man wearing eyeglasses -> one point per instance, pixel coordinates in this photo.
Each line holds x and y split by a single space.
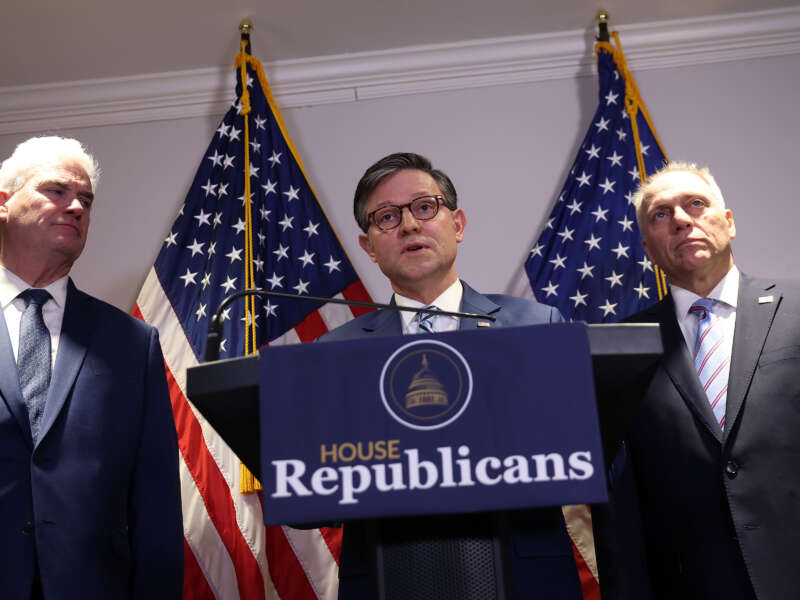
412 226
408 212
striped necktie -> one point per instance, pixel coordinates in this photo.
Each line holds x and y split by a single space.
33 356
710 361
425 320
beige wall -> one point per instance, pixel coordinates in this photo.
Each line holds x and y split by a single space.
506 147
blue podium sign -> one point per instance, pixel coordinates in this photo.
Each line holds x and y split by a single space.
426 424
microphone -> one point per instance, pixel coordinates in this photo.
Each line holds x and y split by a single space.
214 326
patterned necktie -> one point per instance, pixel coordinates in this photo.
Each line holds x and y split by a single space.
710 360
33 356
425 320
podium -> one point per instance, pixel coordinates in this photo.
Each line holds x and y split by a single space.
623 359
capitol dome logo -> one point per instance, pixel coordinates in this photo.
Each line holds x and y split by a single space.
426 384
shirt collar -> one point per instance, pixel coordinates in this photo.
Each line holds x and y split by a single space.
449 300
726 291
11 285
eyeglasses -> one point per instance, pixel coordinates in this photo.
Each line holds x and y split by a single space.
423 208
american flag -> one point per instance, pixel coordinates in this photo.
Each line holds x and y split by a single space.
588 261
229 553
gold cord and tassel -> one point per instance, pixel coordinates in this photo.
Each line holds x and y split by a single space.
634 106
247 482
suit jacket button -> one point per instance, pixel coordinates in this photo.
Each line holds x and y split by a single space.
731 469
27 529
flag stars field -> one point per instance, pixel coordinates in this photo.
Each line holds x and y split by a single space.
616 159
600 213
619 279
621 251
269 187
307 258
281 251
196 247
286 222
332 265
550 289
608 308
614 279
593 243
565 234
607 186
188 277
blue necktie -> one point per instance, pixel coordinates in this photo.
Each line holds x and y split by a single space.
33 357
710 358
425 320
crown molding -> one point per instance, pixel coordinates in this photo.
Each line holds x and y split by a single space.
409 70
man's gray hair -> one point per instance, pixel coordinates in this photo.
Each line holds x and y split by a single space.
645 190
42 151
390 165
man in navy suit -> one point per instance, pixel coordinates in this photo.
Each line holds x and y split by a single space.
89 488
715 446
411 223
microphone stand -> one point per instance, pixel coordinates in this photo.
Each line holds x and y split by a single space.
214 333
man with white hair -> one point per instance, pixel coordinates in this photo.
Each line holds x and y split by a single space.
715 447
89 488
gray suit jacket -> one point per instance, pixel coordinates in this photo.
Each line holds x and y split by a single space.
721 510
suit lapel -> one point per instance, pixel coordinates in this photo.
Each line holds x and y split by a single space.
383 322
753 321
388 322
9 383
76 330
472 301
679 366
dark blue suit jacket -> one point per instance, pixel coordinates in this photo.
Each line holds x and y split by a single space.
721 509
542 563
97 499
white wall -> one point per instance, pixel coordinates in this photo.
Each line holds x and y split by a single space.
507 148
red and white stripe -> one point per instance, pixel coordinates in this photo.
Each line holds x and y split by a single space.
229 552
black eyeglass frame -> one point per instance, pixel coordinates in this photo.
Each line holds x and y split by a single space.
439 200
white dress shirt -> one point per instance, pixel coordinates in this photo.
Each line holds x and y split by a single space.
52 310
725 293
450 300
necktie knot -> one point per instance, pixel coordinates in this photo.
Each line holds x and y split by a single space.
702 308
425 319
34 296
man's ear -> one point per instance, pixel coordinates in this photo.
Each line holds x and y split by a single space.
460 222
366 245
731 223
3 208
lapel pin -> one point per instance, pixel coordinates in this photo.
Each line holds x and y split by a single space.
484 324
765 299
